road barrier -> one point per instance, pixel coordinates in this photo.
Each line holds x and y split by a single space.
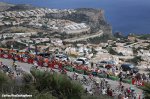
58 65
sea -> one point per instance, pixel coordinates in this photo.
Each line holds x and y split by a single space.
126 16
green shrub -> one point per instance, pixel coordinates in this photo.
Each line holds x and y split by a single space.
60 85
79 71
68 68
87 72
129 81
102 75
101 66
146 90
113 78
3 79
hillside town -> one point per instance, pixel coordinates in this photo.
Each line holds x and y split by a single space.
62 45
34 18
103 56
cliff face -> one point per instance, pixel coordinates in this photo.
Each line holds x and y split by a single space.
17 7
21 7
93 17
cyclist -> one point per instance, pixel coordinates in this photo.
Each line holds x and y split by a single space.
90 76
14 60
60 70
122 88
64 71
35 64
86 91
52 71
84 78
18 70
120 84
1 63
73 75
15 65
76 76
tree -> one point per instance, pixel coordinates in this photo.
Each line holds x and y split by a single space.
45 85
135 50
93 51
44 95
27 78
146 90
144 36
112 51
58 85
3 79
99 39
135 60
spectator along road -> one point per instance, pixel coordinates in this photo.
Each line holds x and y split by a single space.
26 67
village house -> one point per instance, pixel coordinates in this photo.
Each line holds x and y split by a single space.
131 38
5 35
57 42
124 50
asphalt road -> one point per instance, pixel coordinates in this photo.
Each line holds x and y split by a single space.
26 67
85 37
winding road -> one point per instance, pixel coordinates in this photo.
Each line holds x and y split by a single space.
26 67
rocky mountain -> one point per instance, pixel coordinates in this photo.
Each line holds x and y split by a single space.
5 6
20 7
93 17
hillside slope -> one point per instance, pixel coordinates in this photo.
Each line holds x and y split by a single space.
93 17
20 7
5 6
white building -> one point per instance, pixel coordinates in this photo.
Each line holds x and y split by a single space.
57 42
124 51
76 28
5 35
144 53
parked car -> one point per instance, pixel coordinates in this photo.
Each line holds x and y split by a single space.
106 64
102 63
129 67
61 57
113 62
44 54
81 61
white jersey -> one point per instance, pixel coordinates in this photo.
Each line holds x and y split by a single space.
103 91
35 63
